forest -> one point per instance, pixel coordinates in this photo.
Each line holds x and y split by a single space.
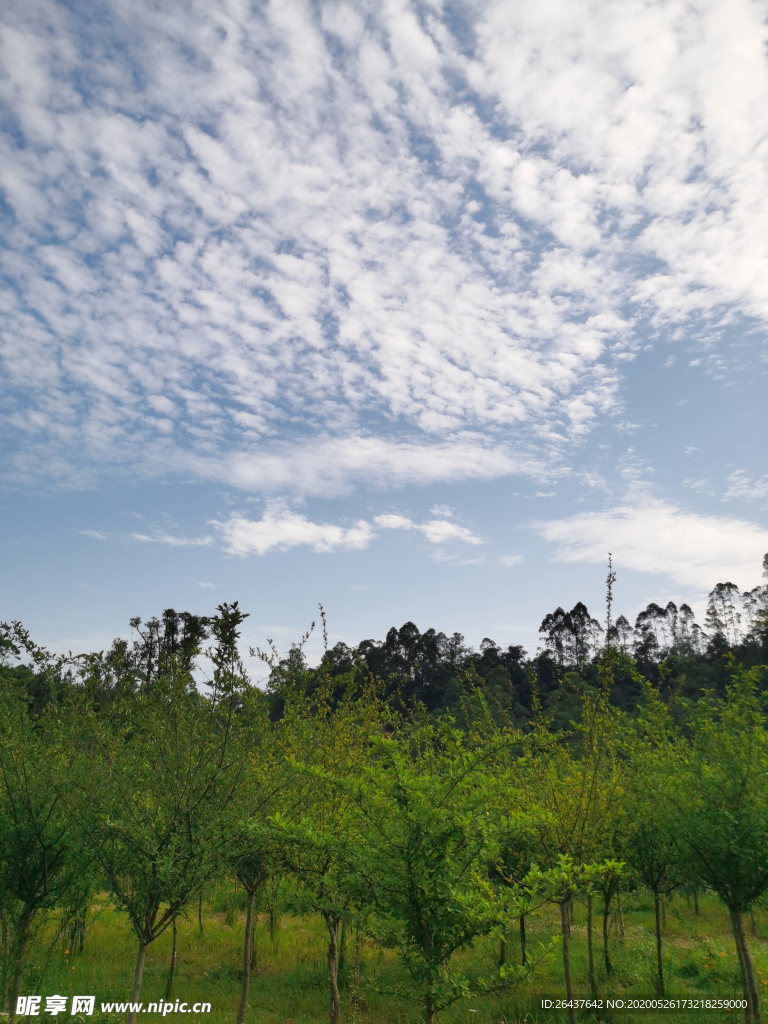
410 831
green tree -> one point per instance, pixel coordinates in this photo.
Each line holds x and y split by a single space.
40 861
427 809
719 781
164 760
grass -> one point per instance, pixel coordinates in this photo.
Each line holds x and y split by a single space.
289 984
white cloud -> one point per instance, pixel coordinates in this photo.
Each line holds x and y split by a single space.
160 537
345 217
511 560
741 485
281 529
327 466
96 534
657 537
436 531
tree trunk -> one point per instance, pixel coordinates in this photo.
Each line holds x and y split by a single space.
749 987
200 912
343 951
25 924
138 975
358 951
503 948
621 913
606 930
429 1010
174 952
696 902
247 957
566 929
591 950
523 954
6 954
753 922
333 921
659 961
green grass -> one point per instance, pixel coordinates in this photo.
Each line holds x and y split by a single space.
289 983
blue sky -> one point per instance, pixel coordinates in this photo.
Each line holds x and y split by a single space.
415 309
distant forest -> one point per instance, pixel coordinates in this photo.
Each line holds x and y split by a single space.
682 659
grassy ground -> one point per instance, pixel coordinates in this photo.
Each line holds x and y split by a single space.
289 985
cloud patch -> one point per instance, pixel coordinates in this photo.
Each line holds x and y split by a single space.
246 226
658 537
280 529
436 531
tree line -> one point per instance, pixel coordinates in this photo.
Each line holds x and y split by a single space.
422 820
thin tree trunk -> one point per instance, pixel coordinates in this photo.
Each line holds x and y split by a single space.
523 954
696 902
174 953
621 914
606 930
138 975
503 948
659 960
247 956
333 921
566 929
748 984
343 950
200 912
25 925
591 950
753 922
6 951
429 1010
358 951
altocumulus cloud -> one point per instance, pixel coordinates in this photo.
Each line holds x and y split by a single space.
256 242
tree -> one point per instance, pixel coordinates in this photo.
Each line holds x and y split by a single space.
426 807
166 774
324 743
248 839
40 863
570 637
719 788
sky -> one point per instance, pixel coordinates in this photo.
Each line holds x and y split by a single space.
415 309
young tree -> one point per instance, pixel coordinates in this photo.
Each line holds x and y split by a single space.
426 807
324 741
40 861
649 825
166 774
719 785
